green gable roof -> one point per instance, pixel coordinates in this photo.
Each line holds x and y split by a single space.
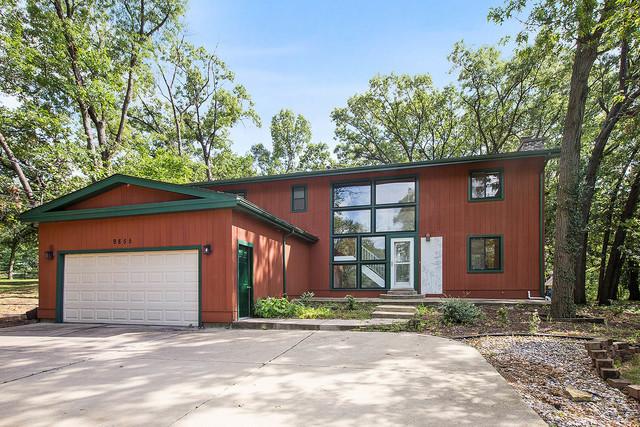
203 200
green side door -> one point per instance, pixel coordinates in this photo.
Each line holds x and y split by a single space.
245 261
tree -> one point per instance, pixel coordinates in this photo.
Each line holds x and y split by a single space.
619 99
505 101
590 28
292 147
83 57
400 118
215 105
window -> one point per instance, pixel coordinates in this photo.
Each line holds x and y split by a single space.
298 198
396 219
364 214
351 195
344 249
395 192
485 185
353 221
485 254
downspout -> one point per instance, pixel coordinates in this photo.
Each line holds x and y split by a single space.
540 237
284 261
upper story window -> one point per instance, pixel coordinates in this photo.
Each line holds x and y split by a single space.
379 207
486 185
298 198
484 254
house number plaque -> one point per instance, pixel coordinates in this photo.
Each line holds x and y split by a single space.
122 241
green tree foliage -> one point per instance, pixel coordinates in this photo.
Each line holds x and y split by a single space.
399 118
292 147
84 58
494 104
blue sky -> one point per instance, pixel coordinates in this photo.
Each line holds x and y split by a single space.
311 56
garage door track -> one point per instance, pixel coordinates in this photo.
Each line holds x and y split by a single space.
116 375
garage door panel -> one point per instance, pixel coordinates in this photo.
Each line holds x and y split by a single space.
139 287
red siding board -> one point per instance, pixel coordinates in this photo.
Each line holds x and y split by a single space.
443 211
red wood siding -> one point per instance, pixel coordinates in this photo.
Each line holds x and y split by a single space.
267 257
127 194
148 231
443 211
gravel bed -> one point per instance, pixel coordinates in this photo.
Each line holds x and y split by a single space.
540 368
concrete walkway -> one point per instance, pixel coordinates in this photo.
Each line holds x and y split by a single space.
55 374
435 301
311 324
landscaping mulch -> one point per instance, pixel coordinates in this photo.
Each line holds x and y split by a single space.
539 369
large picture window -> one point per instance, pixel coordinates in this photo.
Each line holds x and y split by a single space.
364 216
485 185
485 254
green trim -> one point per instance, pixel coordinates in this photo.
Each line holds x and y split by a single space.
541 226
293 190
548 153
128 210
206 199
501 258
247 206
244 243
63 253
500 196
116 180
249 247
373 233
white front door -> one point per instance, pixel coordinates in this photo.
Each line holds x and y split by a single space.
402 263
150 287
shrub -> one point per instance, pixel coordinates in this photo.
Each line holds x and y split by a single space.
460 312
534 322
351 302
276 307
503 315
315 313
305 298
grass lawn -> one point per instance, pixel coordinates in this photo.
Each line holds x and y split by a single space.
18 296
631 370
340 310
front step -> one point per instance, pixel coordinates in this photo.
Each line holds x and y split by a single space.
396 308
391 315
394 312
401 292
400 297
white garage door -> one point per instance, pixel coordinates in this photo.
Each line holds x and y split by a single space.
151 288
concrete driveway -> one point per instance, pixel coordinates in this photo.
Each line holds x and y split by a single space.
111 375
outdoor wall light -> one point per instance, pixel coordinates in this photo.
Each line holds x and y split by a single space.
427 237
206 249
48 254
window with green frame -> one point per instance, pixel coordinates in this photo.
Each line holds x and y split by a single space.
363 214
484 254
298 198
486 185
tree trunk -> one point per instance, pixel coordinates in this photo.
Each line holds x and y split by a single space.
612 274
13 248
18 169
614 115
633 282
567 224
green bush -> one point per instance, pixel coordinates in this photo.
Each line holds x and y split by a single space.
351 302
460 312
503 315
534 322
315 313
305 298
276 307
